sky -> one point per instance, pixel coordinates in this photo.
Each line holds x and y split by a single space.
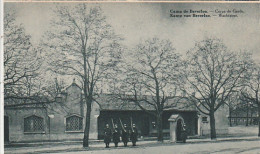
140 21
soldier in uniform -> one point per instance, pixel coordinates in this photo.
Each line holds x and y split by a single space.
116 136
184 133
107 135
133 135
125 135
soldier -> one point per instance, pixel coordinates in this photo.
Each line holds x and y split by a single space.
133 135
116 136
184 133
107 137
125 134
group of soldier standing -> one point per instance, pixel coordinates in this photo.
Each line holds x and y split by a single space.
125 134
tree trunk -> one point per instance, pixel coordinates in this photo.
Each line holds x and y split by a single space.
247 114
230 117
258 103
236 119
212 125
87 124
159 128
251 116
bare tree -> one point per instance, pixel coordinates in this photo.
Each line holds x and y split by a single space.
212 75
21 61
24 81
83 45
251 91
43 95
150 75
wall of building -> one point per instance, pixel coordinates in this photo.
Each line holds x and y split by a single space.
145 123
54 128
54 119
221 122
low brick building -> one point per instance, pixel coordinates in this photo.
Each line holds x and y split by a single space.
55 121
65 120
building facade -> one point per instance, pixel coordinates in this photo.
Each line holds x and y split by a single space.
221 122
66 120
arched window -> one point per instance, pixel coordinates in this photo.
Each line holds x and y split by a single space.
74 123
33 124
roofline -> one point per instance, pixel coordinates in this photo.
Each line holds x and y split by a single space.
148 110
73 85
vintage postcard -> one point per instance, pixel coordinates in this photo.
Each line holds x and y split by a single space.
131 77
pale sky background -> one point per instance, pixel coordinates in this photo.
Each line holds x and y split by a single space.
139 21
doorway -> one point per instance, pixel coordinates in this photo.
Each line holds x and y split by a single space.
145 126
196 123
179 130
6 129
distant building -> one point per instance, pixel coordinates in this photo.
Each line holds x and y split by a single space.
66 120
244 114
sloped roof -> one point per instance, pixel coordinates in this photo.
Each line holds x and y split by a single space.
34 102
113 102
24 103
174 117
